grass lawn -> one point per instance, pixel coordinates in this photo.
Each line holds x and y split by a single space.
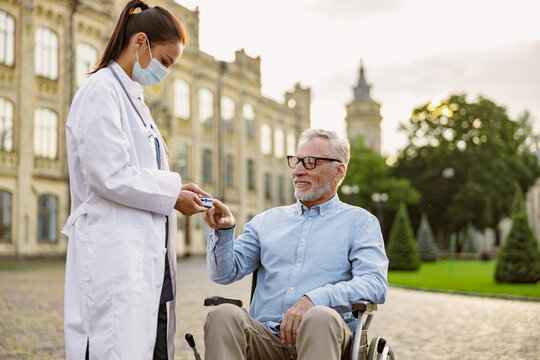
461 276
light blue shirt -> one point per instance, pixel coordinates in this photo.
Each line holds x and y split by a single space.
334 254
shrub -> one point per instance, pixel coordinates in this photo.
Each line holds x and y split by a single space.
402 250
426 243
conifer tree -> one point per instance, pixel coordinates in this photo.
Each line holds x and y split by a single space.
402 251
519 258
469 245
425 240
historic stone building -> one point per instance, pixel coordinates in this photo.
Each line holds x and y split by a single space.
222 133
364 115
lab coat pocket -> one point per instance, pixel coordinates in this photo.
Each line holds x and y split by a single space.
116 258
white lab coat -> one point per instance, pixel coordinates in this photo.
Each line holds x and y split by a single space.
119 200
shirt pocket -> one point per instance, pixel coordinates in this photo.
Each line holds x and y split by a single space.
115 256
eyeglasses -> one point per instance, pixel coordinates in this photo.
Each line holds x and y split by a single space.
309 162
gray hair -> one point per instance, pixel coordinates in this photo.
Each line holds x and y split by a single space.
340 148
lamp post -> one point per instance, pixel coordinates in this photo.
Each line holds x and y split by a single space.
380 199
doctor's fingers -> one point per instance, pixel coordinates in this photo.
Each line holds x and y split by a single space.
195 188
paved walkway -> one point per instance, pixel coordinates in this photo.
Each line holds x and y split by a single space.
418 325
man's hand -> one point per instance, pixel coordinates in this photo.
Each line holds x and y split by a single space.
188 202
292 319
219 217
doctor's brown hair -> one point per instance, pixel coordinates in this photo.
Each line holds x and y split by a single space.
159 24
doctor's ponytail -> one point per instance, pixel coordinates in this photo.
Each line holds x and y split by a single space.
159 25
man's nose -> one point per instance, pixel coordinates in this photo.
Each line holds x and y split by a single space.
299 169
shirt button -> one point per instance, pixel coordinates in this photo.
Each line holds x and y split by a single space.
292 288
309 218
297 265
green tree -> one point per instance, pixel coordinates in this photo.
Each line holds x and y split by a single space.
464 158
426 243
370 173
469 245
402 250
519 258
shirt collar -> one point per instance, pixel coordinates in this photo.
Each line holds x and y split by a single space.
322 209
134 89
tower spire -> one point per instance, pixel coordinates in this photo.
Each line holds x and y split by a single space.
361 91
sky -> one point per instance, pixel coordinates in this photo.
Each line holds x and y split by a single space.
414 52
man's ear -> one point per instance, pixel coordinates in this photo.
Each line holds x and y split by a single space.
341 171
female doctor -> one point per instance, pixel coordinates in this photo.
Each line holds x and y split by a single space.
121 259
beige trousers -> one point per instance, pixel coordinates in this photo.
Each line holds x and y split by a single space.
231 334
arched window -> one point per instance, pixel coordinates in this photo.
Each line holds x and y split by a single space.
6 125
181 99
46 53
45 133
206 106
249 115
291 144
279 143
86 61
227 112
207 166
229 170
7 38
47 218
5 216
266 139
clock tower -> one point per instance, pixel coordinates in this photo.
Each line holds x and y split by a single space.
364 115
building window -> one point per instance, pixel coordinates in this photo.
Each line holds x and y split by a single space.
181 162
46 53
291 144
249 115
45 133
47 218
207 166
268 186
5 216
229 171
281 189
279 143
227 112
251 174
181 99
6 125
206 106
86 60
266 139
7 35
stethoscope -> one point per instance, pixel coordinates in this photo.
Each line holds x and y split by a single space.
149 130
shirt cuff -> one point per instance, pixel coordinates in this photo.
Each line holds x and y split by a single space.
221 237
318 297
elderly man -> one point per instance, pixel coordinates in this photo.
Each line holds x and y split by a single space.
314 256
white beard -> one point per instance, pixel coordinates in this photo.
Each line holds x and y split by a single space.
313 194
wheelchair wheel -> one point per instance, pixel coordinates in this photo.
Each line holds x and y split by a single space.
378 350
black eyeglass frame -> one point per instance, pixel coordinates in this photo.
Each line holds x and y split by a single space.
303 161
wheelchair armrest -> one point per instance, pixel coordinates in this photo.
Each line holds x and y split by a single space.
364 305
218 300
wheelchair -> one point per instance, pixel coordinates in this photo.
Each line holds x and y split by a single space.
377 349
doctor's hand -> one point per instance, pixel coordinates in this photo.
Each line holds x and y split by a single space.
194 188
188 202
292 319
219 217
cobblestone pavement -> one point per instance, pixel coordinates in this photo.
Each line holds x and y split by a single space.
418 325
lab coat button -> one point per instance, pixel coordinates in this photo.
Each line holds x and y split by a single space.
164 251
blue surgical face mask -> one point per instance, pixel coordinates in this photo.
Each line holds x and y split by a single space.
153 74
